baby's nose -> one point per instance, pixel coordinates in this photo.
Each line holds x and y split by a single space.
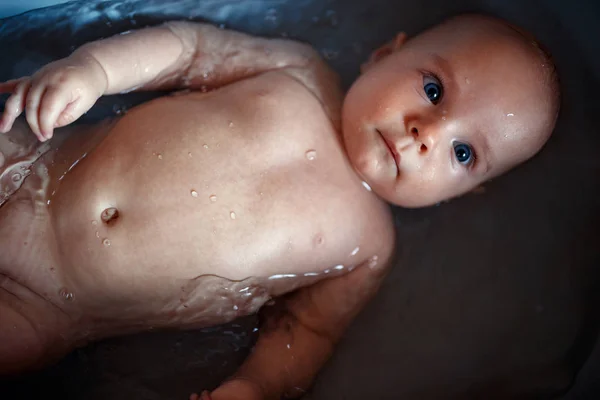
424 136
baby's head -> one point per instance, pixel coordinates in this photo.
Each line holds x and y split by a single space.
463 102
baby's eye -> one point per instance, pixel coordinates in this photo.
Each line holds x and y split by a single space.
433 88
464 153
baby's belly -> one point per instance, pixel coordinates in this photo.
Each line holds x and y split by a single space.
173 219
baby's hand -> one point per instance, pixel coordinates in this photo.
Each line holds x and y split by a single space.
55 96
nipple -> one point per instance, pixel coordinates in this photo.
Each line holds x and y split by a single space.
319 240
109 216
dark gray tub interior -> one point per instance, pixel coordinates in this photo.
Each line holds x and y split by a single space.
494 295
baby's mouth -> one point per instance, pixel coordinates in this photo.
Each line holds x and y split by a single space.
392 149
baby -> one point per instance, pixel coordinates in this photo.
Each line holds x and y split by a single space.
257 180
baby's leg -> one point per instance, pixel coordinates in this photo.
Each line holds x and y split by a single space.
28 329
33 326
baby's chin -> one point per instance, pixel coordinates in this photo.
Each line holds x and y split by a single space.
405 196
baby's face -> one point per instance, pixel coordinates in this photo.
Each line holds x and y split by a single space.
451 108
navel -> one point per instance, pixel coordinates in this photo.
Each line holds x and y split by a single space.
110 215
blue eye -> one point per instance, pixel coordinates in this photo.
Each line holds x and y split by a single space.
433 89
464 153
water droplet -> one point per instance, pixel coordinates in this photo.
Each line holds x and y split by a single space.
366 185
231 124
311 155
510 115
235 308
443 118
119 109
205 146
106 242
189 154
339 267
232 215
311 274
289 346
94 222
467 81
272 16
332 18
212 198
330 54
65 294
16 177
281 276
373 262
355 251
194 193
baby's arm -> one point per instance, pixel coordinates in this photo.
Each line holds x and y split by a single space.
172 56
299 335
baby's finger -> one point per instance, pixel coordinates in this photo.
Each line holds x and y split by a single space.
32 108
53 104
205 395
14 106
9 86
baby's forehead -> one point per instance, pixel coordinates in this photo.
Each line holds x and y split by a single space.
480 37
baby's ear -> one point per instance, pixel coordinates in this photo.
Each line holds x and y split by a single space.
384 51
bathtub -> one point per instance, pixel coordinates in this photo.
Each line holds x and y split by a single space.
516 315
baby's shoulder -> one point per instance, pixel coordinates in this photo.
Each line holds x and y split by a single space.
318 79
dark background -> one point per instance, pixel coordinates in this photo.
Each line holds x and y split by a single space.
494 295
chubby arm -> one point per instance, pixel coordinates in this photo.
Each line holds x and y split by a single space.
299 335
175 55
189 55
